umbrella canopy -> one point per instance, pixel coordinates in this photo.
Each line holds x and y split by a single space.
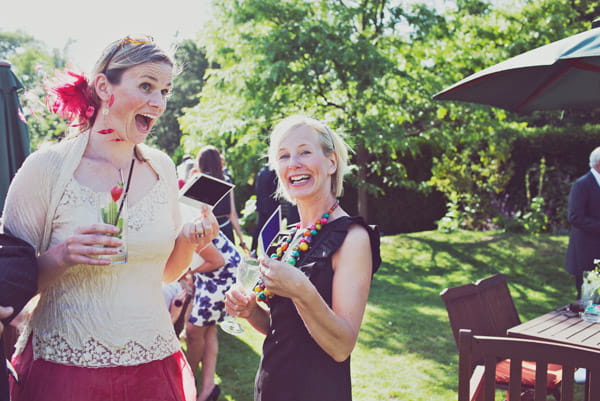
14 135
561 75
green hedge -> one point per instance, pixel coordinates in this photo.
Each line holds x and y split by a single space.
400 210
403 209
566 151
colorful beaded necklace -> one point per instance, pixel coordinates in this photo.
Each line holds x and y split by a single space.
262 293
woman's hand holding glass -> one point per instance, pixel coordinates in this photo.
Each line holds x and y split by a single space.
239 303
87 245
239 298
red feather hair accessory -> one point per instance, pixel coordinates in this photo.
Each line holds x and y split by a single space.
71 97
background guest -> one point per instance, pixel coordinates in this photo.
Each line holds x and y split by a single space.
178 295
267 201
184 169
211 162
584 218
212 271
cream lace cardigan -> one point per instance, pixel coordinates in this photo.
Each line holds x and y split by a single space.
96 316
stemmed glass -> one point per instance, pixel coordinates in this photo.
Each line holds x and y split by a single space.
246 276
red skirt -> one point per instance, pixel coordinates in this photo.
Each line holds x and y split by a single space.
169 379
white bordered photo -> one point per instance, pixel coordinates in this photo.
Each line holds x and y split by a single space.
203 189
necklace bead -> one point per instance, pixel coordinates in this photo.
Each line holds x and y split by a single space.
261 291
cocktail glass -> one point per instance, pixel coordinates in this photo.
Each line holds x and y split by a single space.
115 213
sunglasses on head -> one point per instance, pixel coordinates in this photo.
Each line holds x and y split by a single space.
142 40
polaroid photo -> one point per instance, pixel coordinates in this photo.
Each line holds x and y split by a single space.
269 231
203 189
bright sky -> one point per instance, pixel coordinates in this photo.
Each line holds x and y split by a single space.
94 24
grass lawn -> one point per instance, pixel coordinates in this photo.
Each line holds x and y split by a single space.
406 350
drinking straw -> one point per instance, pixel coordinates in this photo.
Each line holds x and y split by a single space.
126 188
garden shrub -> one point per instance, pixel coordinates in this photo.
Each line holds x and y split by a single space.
519 181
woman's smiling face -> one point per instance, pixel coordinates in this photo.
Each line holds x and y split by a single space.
139 99
302 167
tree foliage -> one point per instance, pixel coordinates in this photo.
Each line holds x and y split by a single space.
369 68
11 42
33 63
186 88
330 59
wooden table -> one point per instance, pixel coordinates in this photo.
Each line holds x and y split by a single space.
560 326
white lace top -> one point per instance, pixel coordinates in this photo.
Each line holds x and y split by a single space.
97 316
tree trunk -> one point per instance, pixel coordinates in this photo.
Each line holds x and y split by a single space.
363 209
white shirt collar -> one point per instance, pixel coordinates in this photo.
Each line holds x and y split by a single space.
596 175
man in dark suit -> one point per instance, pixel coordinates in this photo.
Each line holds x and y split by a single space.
266 203
584 218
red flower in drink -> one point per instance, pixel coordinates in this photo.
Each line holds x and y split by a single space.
112 211
116 192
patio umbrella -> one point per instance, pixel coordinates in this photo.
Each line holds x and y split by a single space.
14 136
561 75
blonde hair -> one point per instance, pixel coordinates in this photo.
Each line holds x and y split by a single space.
330 141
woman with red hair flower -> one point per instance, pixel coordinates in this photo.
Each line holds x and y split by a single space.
101 331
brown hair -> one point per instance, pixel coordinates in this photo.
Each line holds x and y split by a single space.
126 53
210 161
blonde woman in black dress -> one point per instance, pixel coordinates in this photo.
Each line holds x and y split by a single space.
316 282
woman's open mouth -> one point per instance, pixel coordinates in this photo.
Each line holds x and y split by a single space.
299 179
144 122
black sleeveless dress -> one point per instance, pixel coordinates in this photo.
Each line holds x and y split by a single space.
293 367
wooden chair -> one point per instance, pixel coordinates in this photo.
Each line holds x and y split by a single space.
495 295
487 308
479 384
466 310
